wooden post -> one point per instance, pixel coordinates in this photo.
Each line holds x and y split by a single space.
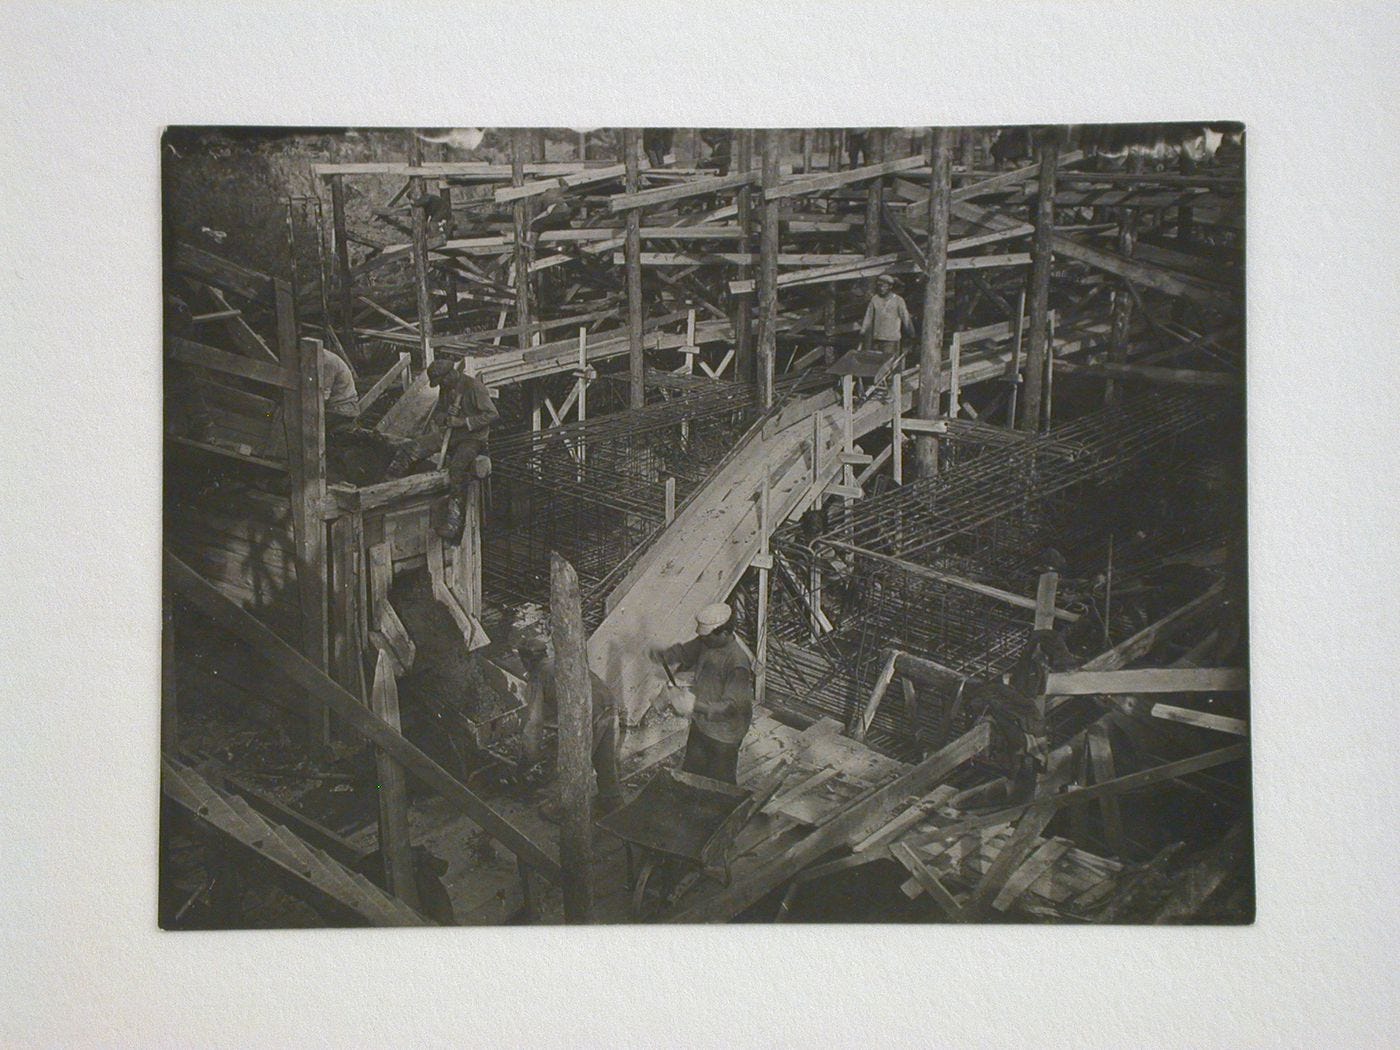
521 228
421 271
848 412
695 147
935 290
342 263
743 331
1045 601
670 498
1042 253
806 151
875 194
575 694
395 843
304 419
583 145
896 429
1019 325
344 633
768 271
954 380
760 646
449 229
1122 316
969 153
466 561
636 362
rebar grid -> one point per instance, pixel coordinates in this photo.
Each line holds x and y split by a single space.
595 491
989 517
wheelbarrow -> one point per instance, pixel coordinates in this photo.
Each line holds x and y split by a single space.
681 828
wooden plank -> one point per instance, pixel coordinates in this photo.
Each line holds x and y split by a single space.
1152 374
281 656
370 396
1117 786
928 880
575 739
682 191
1202 719
1035 866
1101 760
1023 840
1149 680
836 179
233 364
882 683
850 824
1140 273
1021 601
213 269
395 842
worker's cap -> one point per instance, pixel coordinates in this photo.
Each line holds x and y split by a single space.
884 280
710 617
438 371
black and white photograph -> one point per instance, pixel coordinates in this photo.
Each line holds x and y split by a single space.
645 523
704 525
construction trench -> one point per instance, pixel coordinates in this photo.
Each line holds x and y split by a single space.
993 588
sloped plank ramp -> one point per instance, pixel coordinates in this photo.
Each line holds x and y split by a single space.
231 816
701 556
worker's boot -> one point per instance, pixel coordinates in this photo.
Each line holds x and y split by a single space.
451 529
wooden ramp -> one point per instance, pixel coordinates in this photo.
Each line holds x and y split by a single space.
701 556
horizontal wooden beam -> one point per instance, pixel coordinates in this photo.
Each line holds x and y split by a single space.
1010 598
216 270
1150 373
1201 719
741 259
1149 680
1138 272
564 182
818 183
193 353
681 191
227 614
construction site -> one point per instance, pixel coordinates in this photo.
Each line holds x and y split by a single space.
981 578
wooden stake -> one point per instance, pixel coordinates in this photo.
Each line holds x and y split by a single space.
421 271
1042 255
743 331
874 194
935 290
760 647
342 263
896 426
575 738
519 143
395 843
768 271
637 395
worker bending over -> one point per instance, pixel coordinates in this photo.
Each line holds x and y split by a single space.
462 416
724 693
543 709
338 393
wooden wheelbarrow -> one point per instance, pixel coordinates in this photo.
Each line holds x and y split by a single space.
679 828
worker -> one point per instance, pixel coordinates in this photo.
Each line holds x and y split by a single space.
657 143
543 709
858 146
886 318
339 394
724 693
464 413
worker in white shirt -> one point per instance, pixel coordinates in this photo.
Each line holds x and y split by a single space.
886 318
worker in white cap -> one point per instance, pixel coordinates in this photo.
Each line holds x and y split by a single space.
724 693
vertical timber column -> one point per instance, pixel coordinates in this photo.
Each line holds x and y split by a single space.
575 739
768 269
968 140
518 144
449 229
636 361
1122 315
743 332
304 415
875 194
1042 253
935 290
395 842
420 271
342 263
